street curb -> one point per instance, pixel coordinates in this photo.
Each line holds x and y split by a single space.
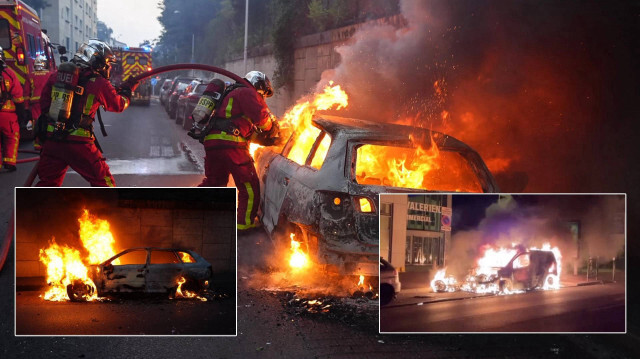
582 284
438 301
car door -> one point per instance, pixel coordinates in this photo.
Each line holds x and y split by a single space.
164 270
292 179
127 272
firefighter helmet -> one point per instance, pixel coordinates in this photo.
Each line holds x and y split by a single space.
261 82
97 55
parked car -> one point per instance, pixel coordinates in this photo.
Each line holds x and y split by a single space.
389 282
188 101
319 191
166 87
146 270
171 104
529 270
164 96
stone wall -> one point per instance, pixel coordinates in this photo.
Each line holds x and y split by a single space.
208 231
313 54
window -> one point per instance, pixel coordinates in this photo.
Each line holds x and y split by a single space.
134 257
186 257
199 89
68 13
310 147
409 167
5 34
424 250
131 60
32 46
521 262
142 61
321 152
163 257
302 144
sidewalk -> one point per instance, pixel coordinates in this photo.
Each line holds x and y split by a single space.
419 293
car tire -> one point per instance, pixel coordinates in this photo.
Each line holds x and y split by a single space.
178 116
77 291
386 294
505 285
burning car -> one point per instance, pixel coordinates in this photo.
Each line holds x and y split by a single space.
325 183
529 270
145 270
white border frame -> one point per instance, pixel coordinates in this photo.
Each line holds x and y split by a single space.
15 289
626 250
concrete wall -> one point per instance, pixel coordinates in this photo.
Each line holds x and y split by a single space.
209 232
313 55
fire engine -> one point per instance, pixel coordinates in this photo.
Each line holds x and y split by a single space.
28 52
133 61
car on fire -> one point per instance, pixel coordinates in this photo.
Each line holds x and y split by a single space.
146 270
323 192
529 270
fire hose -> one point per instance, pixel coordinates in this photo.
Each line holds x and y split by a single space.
4 247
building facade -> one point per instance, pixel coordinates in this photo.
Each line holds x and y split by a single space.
415 230
70 22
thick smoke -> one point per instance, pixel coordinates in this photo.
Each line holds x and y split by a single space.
508 222
542 90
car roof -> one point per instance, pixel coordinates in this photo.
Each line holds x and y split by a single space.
158 249
378 131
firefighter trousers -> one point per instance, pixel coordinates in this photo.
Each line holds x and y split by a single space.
84 158
9 138
218 164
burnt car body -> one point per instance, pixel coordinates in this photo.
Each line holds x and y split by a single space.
148 270
529 270
187 102
323 201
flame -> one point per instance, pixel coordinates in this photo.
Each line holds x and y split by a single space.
484 277
96 238
298 258
66 265
361 281
186 294
186 258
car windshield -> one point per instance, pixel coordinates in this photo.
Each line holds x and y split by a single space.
182 86
407 167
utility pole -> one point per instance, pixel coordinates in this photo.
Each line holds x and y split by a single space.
246 32
193 45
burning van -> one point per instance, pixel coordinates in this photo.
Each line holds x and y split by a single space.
145 270
324 184
529 270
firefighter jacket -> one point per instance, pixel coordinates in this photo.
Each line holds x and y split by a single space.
98 91
241 111
11 91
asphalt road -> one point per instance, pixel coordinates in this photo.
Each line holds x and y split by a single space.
137 150
155 315
595 308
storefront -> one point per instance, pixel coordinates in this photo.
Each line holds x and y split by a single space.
415 230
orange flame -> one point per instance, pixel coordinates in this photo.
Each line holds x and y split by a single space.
298 258
185 293
65 265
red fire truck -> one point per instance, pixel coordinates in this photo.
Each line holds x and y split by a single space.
28 52
133 61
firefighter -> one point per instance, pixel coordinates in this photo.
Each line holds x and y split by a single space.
12 110
69 102
239 115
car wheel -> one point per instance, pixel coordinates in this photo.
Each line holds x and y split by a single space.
79 292
386 294
506 286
